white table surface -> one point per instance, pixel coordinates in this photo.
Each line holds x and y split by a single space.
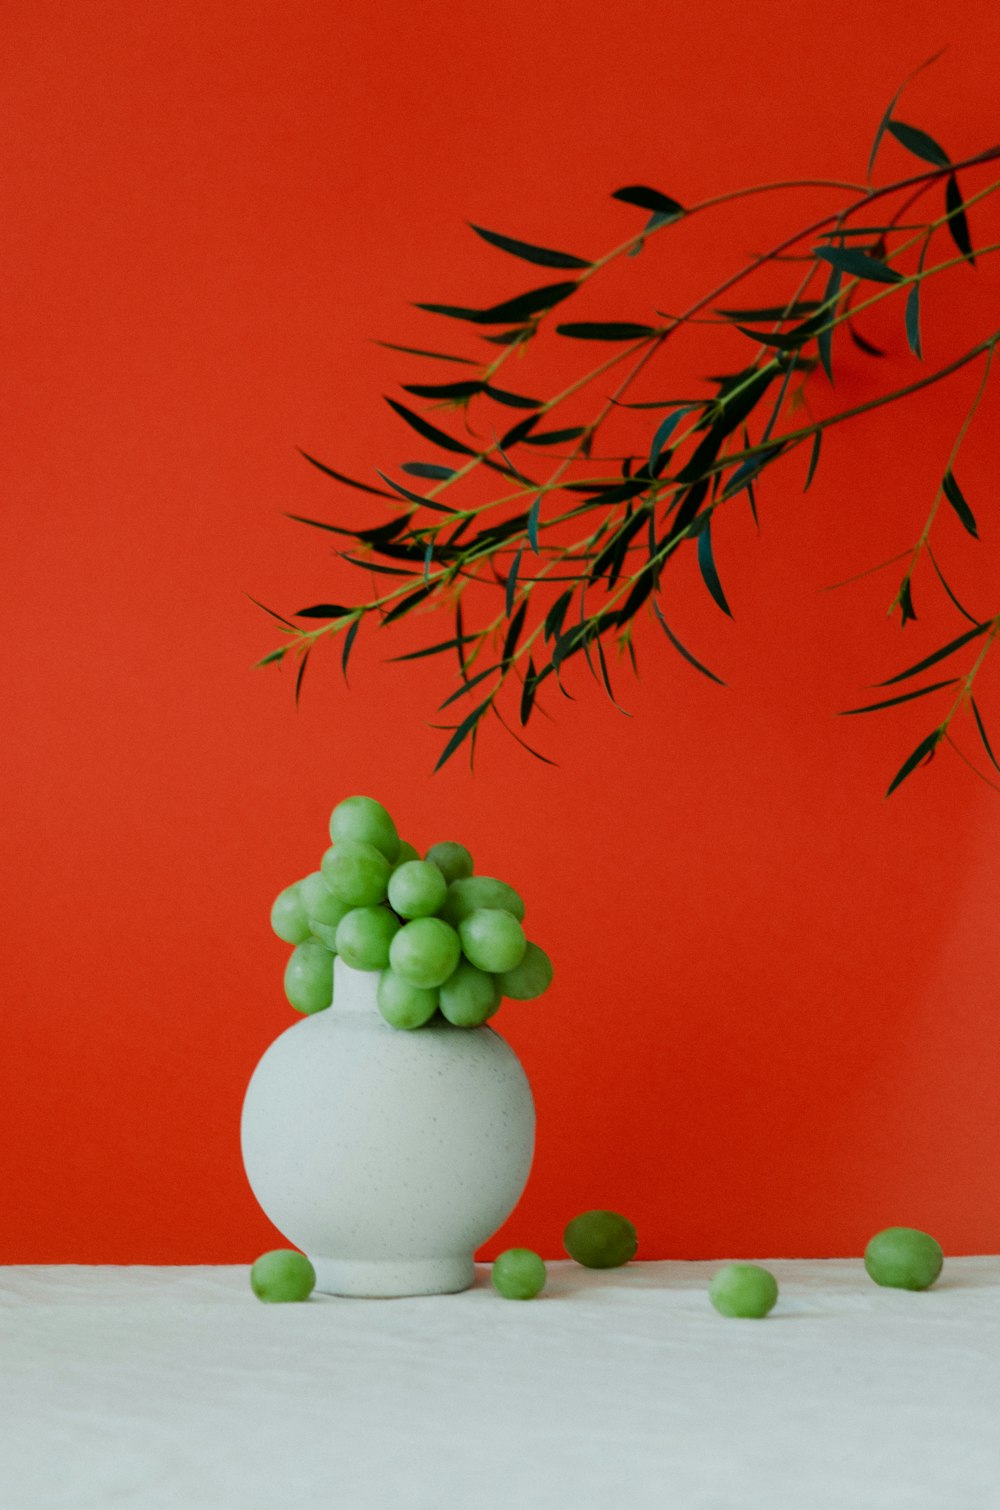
175 1387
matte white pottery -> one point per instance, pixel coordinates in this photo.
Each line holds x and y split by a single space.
387 1156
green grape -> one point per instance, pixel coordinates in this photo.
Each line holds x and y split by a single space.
356 872
470 892
743 1290
518 1274
492 940
416 889
365 820
452 860
407 852
528 979
600 1239
309 977
904 1258
364 936
468 996
425 952
288 916
323 910
282 1274
403 1005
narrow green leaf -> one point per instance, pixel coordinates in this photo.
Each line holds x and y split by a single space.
887 116
511 337
795 310
862 342
649 199
958 224
275 655
912 318
904 697
349 639
919 143
706 564
747 471
512 582
417 498
429 469
532 524
982 733
418 351
656 219
938 655
465 388
957 499
438 649
518 432
462 733
429 432
681 650
556 614
511 311
907 610
512 400
941 578
528 692
925 748
605 678
540 255
280 617
813 459
554 437
323 611
857 264
376 566
514 632
352 482
405 605
303 663
467 686
824 341
606 330
663 432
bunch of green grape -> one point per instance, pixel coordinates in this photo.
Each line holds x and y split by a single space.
444 941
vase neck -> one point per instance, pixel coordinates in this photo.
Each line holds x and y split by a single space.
354 990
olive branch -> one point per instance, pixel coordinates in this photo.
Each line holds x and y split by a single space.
572 557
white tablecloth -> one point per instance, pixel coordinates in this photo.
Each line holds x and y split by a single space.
175 1387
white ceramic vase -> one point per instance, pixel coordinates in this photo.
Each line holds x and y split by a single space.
387 1156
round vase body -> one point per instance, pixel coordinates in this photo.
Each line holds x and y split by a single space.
387 1156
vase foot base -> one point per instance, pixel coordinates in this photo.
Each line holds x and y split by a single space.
392 1278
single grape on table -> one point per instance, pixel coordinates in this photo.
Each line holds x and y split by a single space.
518 1274
600 1239
283 1274
904 1258
745 1290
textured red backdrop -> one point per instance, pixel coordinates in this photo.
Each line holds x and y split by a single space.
775 1022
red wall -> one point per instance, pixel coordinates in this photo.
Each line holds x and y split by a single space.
775 1024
